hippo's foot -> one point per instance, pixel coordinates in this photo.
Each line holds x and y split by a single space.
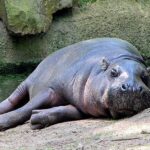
46 117
10 119
4 124
42 118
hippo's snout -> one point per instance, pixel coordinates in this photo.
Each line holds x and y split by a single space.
127 100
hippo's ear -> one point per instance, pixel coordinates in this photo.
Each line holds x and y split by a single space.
104 63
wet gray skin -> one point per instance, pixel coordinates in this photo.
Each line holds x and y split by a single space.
100 77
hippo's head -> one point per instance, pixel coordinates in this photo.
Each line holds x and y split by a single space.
126 88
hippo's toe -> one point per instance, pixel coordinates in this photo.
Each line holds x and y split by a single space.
41 119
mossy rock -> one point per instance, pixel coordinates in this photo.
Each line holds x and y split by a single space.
128 20
30 16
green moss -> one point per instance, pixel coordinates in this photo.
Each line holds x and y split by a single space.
128 20
27 17
30 16
82 2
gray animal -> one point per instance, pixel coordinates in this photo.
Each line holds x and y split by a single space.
103 77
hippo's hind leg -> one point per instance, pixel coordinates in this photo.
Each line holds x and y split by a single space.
19 96
46 117
20 115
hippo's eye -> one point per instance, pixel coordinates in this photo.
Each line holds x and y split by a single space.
114 73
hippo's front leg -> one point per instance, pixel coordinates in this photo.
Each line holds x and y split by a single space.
22 114
46 117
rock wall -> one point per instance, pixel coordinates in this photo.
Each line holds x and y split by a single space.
128 19
30 16
15 51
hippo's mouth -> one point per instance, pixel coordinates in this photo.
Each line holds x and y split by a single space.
121 113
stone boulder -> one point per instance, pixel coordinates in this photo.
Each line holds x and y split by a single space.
30 16
128 20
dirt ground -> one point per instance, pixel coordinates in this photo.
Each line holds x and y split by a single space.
90 134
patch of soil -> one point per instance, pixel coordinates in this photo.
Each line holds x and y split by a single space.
90 134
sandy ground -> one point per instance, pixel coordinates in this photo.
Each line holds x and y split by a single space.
90 134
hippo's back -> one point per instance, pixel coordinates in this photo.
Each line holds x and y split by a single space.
56 63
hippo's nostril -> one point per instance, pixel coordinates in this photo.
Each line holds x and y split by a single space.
140 88
124 87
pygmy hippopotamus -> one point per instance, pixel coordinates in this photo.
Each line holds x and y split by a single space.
103 77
